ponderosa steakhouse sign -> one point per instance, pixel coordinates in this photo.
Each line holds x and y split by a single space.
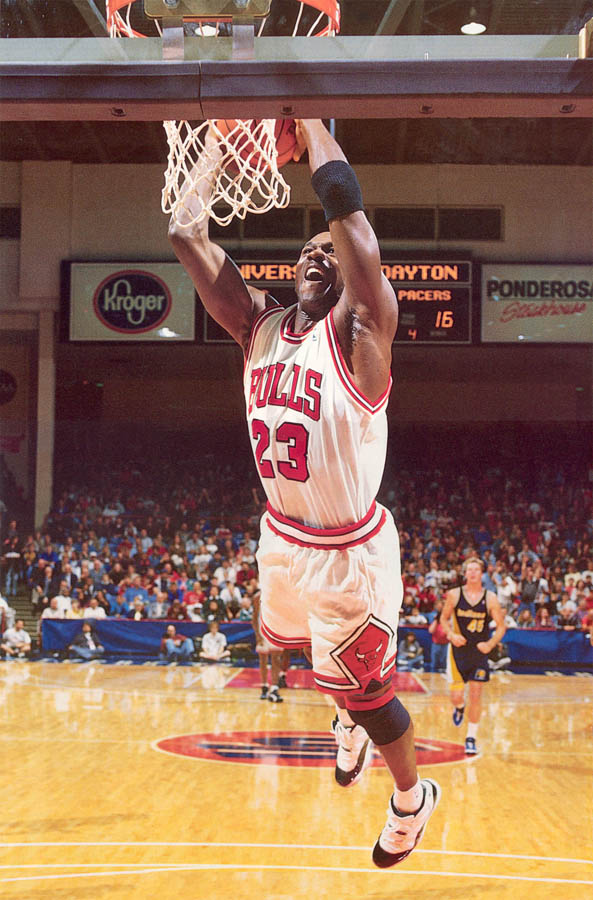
537 303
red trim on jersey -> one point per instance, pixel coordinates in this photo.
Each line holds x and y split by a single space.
344 374
344 689
329 546
389 665
285 643
286 332
330 532
255 326
340 683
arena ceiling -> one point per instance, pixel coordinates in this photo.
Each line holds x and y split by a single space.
550 141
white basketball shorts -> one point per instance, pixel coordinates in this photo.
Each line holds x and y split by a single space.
338 591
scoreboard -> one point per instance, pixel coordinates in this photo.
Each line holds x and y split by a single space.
434 299
434 295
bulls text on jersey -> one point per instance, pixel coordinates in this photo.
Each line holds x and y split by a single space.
302 395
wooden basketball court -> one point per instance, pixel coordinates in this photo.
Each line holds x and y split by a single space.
101 799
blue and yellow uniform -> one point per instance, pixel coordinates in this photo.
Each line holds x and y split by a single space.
467 663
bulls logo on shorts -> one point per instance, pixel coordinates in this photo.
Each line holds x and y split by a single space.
366 655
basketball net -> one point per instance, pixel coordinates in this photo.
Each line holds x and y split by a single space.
240 173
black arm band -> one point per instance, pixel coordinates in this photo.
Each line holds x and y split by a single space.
337 187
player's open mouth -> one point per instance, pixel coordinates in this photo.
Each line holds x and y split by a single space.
315 273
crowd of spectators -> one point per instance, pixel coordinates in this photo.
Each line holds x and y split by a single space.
169 544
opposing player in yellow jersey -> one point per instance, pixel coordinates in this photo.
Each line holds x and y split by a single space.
317 381
466 618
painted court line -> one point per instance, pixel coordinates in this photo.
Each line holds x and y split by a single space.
346 847
259 868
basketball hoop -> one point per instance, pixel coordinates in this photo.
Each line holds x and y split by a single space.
227 183
230 183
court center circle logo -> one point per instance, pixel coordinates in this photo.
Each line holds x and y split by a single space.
308 749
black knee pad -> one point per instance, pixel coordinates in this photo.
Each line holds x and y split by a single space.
385 724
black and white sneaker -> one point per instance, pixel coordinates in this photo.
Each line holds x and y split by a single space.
282 680
355 752
404 831
264 692
274 696
458 715
470 746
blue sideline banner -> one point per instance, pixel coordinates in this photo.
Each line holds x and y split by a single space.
128 638
548 646
124 638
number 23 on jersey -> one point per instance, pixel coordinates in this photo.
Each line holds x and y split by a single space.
296 438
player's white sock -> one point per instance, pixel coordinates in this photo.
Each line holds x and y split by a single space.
472 730
411 800
345 718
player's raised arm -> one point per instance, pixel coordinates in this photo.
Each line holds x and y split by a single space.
367 306
217 279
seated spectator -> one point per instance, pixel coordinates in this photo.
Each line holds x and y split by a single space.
138 611
159 604
214 607
231 597
86 644
566 602
214 644
136 589
543 619
525 619
193 600
50 612
118 606
103 601
409 654
16 643
567 619
245 613
107 586
407 605
415 617
176 647
75 611
245 573
178 612
93 610
582 609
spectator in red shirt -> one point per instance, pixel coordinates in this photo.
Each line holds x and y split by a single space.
438 649
245 573
176 647
193 600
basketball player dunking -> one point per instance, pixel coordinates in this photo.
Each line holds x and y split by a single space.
317 381
470 608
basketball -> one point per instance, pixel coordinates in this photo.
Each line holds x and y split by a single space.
284 134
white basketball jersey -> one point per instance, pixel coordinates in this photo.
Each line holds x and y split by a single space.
319 444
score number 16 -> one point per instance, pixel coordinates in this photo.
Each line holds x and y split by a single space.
444 319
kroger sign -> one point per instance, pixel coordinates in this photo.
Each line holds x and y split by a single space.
132 301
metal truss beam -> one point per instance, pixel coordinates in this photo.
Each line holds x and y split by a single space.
350 88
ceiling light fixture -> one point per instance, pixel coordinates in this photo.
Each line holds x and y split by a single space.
474 26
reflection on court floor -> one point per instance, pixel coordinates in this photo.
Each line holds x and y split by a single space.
132 782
